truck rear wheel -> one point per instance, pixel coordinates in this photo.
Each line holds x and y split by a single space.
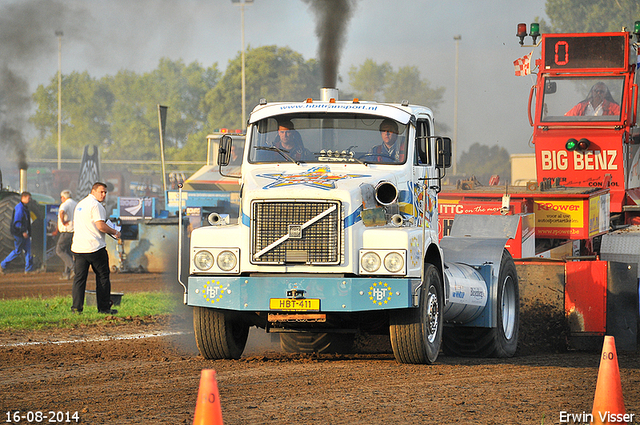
219 335
416 334
501 341
323 343
6 216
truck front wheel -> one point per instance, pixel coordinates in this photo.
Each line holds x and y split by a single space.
219 335
416 334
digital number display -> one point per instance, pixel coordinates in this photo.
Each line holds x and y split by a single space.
579 52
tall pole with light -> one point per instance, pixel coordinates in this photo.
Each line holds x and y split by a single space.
454 146
244 104
59 35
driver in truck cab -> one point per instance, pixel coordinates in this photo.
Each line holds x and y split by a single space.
597 103
391 150
289 140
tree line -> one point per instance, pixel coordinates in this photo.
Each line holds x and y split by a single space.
119 112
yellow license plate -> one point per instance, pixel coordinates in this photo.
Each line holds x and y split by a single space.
288 304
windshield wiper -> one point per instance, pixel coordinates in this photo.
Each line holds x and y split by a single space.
282 152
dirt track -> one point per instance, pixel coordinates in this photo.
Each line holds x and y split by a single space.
156 379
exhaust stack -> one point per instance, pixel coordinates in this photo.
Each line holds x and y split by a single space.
326 94
23 180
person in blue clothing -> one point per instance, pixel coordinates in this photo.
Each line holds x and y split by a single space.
289 141
21 231
391 149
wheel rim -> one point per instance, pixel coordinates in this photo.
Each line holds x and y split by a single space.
433 314
508 308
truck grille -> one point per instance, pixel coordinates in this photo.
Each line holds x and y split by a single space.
317 243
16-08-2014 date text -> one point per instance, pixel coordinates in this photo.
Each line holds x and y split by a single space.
37 417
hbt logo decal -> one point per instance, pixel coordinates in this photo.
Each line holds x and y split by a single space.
213 291
380 293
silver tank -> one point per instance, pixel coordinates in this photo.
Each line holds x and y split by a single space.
467 293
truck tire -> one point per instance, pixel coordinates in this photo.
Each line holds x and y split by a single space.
6 215
322 343
219 335
416 333
501 341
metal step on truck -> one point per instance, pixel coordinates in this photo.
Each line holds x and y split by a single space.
337 235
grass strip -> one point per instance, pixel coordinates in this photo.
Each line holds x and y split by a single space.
55 312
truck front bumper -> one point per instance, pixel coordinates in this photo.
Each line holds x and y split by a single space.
335 294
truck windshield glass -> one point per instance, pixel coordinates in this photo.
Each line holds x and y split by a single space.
322 138
582 99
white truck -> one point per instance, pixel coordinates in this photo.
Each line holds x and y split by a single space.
337 234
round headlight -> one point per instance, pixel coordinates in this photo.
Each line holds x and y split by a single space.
227 260
203 260
370 262
393 262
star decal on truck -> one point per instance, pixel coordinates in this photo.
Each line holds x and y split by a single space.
318 177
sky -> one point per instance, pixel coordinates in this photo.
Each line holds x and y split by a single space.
107 36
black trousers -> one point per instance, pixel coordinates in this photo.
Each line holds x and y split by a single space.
99 262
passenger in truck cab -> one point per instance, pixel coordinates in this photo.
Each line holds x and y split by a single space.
597 103
290 141
391 150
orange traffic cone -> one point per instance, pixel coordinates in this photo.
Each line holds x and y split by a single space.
208 404
608 405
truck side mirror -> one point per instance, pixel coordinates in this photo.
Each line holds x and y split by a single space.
443 152
224 150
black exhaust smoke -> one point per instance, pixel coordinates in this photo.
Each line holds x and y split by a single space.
332 17
27 31
14 107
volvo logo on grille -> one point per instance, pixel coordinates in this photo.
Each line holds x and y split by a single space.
295 231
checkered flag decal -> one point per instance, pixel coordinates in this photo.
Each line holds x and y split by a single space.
523 65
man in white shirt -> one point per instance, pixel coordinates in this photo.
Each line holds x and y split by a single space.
65 230
89 248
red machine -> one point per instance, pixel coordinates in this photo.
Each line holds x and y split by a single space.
583 110
586 103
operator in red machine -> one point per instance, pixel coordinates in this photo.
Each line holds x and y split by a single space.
597 103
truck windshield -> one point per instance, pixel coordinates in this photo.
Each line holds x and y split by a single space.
568 99
323 137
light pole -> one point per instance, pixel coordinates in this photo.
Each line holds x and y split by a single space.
244 104
59 35
454 149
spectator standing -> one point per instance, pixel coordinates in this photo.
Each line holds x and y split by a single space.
65 230
21 231
89 249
